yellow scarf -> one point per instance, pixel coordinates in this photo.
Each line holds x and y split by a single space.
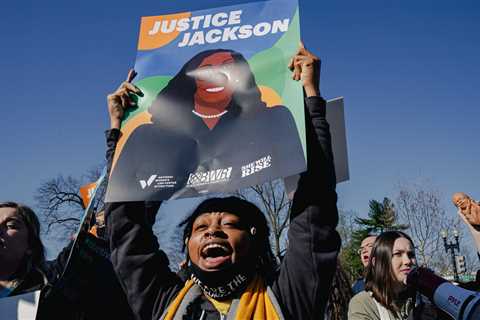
222 306
254 302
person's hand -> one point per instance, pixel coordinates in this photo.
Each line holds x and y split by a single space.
473 228
120 100
305 66
474 214
468 209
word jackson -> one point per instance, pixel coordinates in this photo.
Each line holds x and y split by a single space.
226 28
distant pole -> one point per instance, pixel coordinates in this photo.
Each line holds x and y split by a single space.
452 246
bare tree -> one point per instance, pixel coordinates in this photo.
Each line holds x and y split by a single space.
419 207
351 235
59 203
347 225
274 202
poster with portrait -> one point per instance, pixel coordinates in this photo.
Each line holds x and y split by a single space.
220 110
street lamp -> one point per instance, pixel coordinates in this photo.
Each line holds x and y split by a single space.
451 246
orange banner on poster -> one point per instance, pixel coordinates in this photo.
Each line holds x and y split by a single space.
86 192
153 33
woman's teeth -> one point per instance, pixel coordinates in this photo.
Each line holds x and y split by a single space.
216 89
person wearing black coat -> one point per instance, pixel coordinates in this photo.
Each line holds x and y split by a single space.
232 274
82 286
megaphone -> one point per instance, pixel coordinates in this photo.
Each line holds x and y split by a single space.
459 303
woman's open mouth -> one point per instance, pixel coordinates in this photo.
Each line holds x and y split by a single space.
216 254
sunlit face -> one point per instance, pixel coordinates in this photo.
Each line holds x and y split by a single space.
215 77
366 249
13 238
403 259
218 239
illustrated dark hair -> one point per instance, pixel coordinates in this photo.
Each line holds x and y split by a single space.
379 278
179 92
250 216
37 257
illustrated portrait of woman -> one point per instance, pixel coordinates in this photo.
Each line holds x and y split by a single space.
209 132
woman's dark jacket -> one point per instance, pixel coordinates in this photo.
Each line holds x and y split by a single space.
83 286
87 290
303 282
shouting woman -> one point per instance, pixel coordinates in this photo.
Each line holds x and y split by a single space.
231 271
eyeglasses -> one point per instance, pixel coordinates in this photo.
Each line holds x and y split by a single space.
367 247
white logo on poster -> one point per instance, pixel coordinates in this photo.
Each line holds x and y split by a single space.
256 166
147 183
159 182
91 192
208 177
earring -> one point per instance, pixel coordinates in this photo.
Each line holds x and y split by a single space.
253 231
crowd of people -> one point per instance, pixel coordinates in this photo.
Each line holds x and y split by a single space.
230 271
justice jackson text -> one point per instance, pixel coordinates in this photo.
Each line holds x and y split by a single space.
227 27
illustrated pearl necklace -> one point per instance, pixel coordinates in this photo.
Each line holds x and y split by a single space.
207 116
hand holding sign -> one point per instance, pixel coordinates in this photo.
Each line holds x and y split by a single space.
469 208
306 67
121 100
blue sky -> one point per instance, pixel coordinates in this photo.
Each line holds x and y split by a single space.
409 72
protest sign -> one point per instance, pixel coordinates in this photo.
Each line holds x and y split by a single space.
78 247
94 205
336 120
220 111
86 192
20 307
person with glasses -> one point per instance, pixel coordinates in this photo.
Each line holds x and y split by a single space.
364 252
